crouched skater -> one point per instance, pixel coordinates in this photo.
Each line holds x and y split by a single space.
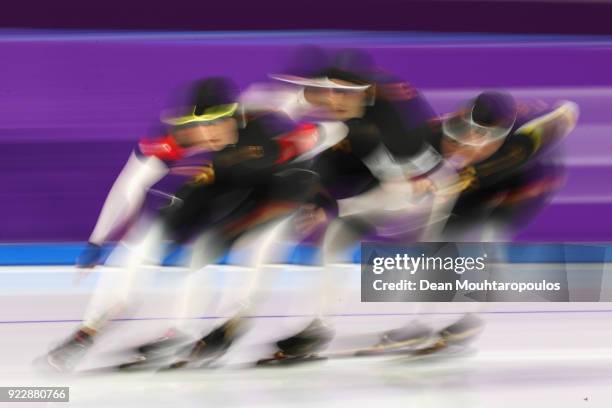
374 180
242 181
507 155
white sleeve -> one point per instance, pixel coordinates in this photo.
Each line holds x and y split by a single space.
127 194
388 196
385 167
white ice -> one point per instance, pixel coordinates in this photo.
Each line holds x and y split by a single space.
530 354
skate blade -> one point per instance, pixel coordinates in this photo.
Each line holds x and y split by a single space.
174 366
142 364
197 364
383 352
400 347
430 354
138 364
165 350
47 364
129 367
288 361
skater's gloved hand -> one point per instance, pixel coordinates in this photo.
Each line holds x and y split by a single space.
464 180
309 218
468 179
422 186
90 257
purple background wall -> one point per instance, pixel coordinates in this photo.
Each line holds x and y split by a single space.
510 16
72 106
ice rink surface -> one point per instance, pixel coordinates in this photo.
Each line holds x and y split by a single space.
530 354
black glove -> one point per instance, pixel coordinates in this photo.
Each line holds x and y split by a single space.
90 256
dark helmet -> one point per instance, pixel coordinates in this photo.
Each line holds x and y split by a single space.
350 65
305 64
492 114
211 99
494 109
307 61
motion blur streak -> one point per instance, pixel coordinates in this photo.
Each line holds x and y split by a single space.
75 105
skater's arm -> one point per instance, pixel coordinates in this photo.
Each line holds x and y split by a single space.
127 194
527 144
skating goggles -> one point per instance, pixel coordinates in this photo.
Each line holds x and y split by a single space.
210 116
463 129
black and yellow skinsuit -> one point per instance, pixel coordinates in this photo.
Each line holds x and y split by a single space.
512 185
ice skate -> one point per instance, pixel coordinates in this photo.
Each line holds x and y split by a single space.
210 347
303 346
67 355
398 340
157 352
